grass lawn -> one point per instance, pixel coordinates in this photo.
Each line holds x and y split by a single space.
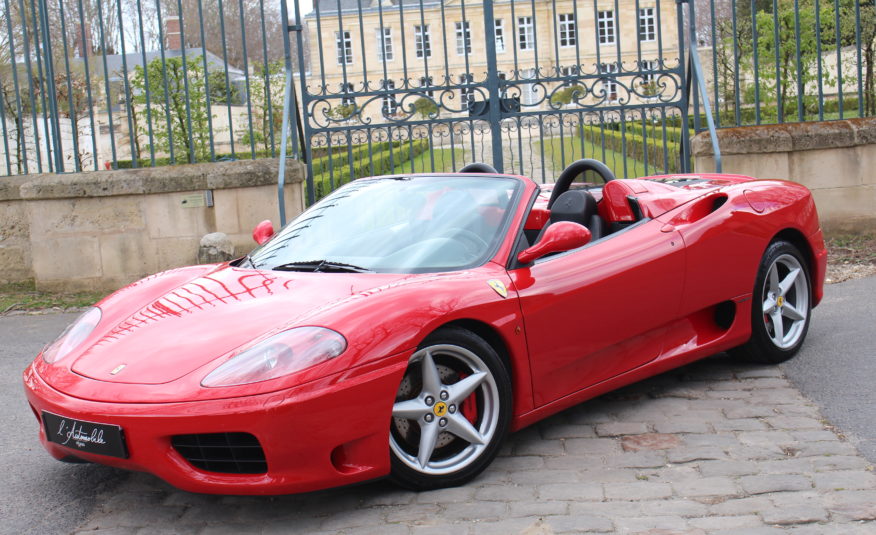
555 147
25 296
422 163
443 158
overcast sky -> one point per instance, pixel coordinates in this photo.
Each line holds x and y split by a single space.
306 6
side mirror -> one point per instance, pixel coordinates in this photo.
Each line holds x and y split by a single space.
263 232
559 237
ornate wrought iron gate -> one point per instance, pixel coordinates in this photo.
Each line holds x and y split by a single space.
391 86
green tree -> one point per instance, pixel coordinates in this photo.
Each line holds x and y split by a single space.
426 107
267 90
188 128
867 27
566 95
342 112
787 77
220 92
868 49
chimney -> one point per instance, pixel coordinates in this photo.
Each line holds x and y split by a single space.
83 42
172 40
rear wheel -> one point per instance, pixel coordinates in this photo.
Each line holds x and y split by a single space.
451 411
781 306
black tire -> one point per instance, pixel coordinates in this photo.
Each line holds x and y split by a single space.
456 355
764 346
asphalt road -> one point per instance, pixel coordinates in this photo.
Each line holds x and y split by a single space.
837 366
38 495
836 369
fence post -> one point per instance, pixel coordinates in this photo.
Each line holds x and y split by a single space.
700 84
685 94
57 152
494 99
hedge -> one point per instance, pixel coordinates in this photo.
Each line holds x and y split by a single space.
769 113
673 131
654 132
164 161
635 146
319 154
340 155
383 162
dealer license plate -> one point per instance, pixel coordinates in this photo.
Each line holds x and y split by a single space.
90 437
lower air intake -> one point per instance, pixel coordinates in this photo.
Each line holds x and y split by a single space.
227 453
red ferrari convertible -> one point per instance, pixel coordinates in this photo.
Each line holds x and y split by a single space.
404 325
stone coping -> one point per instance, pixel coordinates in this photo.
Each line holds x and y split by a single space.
788 137
148 180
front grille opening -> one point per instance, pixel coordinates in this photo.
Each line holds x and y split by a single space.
227 453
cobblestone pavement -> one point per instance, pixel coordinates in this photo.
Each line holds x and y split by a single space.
713 448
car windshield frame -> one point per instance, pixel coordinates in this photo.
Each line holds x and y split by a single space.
268 256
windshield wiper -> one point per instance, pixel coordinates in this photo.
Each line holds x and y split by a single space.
322 266
243 261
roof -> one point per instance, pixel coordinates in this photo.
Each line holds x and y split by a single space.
331 6
115 63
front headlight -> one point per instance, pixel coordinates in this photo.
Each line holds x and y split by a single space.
73 335
284 353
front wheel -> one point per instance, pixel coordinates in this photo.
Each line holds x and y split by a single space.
451 411
781 306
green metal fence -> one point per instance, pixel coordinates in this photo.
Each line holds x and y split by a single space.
409 85
776 61
102 84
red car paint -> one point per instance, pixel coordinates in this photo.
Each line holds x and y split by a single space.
573 326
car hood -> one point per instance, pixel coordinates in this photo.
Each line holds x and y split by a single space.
195 322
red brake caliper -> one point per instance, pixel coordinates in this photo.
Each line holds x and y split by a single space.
469 407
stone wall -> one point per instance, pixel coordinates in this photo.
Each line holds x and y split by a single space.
834 159
103 230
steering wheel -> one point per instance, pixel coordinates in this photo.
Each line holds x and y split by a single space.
473 243
478 167
564 181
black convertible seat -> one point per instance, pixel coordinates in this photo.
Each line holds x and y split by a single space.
580 207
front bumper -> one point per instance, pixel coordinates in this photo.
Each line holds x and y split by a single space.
316 436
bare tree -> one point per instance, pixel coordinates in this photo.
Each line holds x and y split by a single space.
249 30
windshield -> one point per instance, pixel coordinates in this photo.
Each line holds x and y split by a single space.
399 225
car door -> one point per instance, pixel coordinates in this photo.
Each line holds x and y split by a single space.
598 311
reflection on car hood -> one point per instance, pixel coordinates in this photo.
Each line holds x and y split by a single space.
192 324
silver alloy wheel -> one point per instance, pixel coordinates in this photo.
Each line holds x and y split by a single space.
438 410
785 301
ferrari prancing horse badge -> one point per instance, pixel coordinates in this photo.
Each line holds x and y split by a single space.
499 286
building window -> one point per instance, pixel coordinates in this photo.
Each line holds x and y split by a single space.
384 44
649 66
389 103
649 77
525 33
344 42
528 92
427 83
606 27
347 99
500 35
647 24
463 38
466 93
422 41
569 71
609 85
568 31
